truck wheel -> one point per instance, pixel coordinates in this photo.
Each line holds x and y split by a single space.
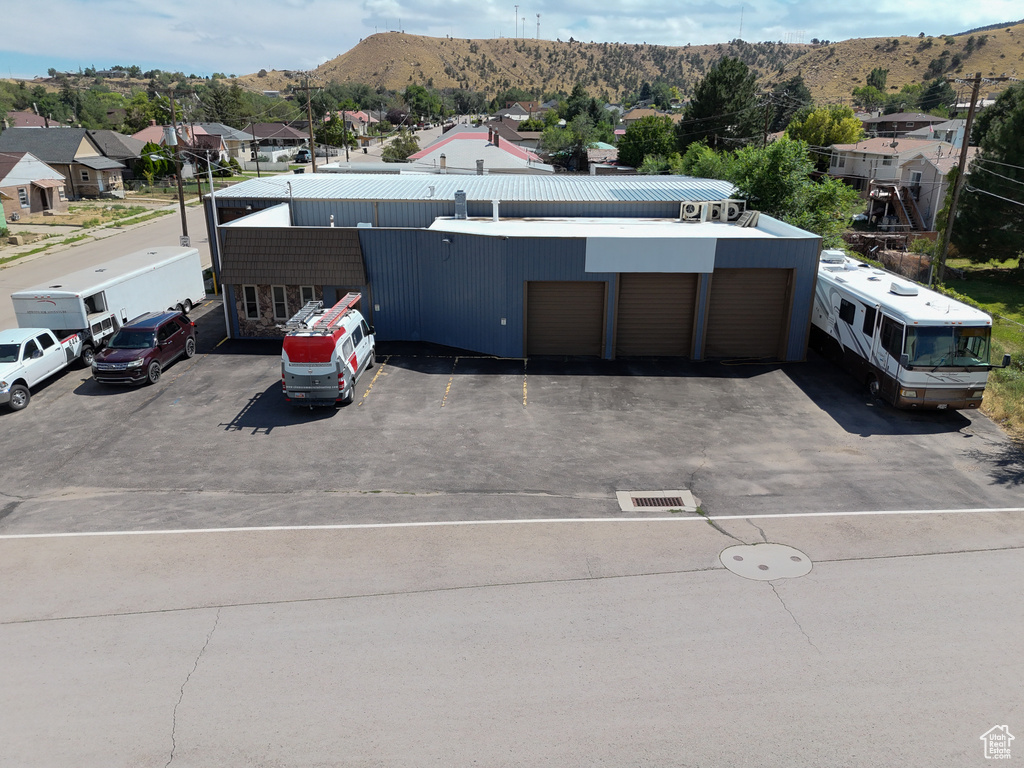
190 347
153 372
88 355
19 397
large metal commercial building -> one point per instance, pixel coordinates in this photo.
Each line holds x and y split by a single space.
594 266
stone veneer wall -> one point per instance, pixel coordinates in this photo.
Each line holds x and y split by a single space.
266 325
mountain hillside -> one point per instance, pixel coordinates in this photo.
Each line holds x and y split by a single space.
833 71
395 60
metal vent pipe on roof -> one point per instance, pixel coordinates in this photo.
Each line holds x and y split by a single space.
479 167
494 209
444 163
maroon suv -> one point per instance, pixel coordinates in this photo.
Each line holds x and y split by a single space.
138 352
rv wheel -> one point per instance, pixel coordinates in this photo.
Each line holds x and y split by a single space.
874 388
187 306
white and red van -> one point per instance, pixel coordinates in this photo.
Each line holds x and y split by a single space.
324 352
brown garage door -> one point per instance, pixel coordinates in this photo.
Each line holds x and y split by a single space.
655 315
747 313
565 318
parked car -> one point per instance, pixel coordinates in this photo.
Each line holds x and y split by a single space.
139 352
303 156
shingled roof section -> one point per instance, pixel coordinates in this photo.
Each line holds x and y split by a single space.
56 145
292 256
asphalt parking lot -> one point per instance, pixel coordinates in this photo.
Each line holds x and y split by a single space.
435 434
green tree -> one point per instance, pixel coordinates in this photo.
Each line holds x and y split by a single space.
877 78
787 99
776 180
937 93
868 97
822 127
400 147
651 135
723 110
990 217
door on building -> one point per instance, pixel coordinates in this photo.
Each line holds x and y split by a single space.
565 317
655 314
748 313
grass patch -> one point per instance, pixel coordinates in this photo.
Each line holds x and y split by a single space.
140 219
75 239
999 290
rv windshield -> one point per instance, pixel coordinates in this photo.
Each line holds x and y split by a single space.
948 345
8 353
132 340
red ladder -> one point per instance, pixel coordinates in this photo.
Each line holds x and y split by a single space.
332 316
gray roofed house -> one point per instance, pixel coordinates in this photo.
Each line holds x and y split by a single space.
74 154
236 142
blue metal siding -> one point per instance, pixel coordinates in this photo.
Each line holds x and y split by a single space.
800 255
457 293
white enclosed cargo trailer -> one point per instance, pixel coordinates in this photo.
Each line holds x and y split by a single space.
98 300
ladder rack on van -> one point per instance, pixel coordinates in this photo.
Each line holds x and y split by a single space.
312 317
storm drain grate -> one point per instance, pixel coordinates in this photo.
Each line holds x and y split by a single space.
656 501
647 501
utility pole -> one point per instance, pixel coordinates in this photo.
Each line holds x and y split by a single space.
309 116
177 169
517 21
958 184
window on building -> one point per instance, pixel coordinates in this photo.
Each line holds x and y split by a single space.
847 311
23 197
61 193
252 304
869 321
280 302
85 175
886 161
307 294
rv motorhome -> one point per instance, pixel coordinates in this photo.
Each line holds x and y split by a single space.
911 346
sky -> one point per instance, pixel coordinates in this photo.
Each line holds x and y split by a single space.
236 38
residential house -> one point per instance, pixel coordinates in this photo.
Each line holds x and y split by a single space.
635 114
877 159
28 185
235 142
117 146
924 176
269 136
899 123
476 150
518 110
73 154
951 132
16 119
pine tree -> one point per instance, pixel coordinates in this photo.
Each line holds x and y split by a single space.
723 111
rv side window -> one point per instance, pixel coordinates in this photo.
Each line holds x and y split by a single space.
869 321
892 336
847 311
95 303
252 306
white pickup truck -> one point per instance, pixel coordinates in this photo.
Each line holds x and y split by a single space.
31 355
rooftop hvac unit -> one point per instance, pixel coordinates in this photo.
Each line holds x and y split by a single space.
734 209
903 289
833 257
690 211
716 211
748 219
461 210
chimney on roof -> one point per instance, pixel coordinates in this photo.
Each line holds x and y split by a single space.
479 167
444 163
152 121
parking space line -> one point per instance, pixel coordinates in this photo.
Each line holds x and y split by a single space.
380 368
524 382
451 378
525 521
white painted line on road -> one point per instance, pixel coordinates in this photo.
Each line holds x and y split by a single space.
529 521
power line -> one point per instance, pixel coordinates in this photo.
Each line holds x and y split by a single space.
996 162
993 194
1007 178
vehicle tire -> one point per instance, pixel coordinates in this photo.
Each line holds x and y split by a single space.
178 307
873 386
372 360
190 347
20 397
153 372
187 306
349 395
88 355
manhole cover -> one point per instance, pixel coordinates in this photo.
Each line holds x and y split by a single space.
764 562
